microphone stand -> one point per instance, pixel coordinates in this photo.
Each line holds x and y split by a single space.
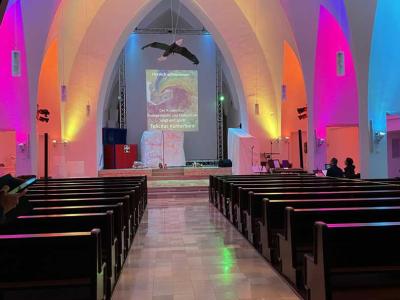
162 136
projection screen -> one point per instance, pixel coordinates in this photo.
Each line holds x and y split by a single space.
172 100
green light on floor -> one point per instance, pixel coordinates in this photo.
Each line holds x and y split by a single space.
221 98
227 265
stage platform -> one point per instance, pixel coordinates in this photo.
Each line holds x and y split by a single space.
172 173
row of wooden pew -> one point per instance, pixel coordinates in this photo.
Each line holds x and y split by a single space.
331 238
73 240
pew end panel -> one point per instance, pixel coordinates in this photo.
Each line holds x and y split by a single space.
286 255
264 236
314 265
54 262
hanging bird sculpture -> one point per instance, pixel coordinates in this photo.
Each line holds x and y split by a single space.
175 47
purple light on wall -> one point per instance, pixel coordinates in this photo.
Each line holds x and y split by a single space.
336 97
14 96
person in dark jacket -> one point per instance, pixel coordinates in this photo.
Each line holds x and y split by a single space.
349 170
7 203
11 204
334 170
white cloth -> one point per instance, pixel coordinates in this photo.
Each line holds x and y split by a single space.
162 147
243 151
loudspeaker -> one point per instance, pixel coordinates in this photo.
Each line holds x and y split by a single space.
16 63
340 64
225 163
113 136
63 93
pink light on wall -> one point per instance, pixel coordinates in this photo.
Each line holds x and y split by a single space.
336 97
14 96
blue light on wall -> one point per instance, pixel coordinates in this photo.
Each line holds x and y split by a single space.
384 79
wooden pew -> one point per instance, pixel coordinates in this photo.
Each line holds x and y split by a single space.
220 181
134 212
74 223
354 261
119 224
95 188
52 266
88 179
244 210
216 181
62 204
230 189
268 220
236 188
297 237
128 234
141 181
90 184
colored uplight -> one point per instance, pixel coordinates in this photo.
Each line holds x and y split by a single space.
333 93
14 93
384 80
222 98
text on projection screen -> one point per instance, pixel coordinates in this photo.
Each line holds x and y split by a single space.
172 100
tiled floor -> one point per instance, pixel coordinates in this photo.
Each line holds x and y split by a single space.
186 250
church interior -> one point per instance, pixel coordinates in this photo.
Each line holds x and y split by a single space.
199 149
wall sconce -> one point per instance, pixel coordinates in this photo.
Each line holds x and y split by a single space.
379 135
63 142
22 147
320 141
276 141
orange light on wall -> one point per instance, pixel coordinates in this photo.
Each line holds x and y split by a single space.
296 96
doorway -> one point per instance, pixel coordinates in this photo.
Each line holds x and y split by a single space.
8 152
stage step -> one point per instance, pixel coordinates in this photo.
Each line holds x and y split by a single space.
177 177
168 172
178 192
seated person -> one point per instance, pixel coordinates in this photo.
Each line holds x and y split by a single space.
349 170
10 204
334 170
8 182
7 203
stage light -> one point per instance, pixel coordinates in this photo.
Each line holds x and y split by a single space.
221 98
44 119
302 117
301 110
42 115
44 112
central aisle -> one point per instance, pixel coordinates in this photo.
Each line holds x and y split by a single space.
185 249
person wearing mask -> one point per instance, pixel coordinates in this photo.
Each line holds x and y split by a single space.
349 170
334 170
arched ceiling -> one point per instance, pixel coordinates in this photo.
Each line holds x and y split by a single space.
160 17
